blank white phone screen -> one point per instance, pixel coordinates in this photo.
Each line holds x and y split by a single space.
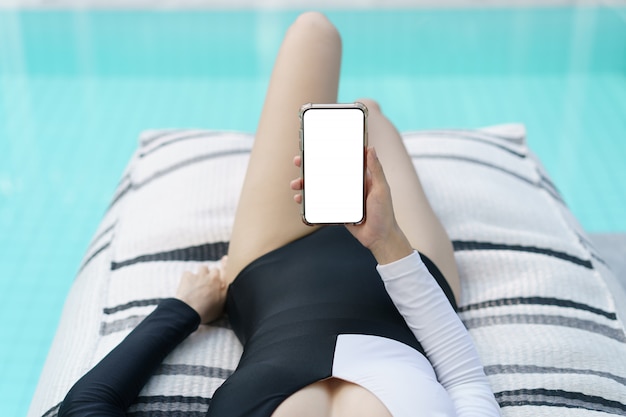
333 165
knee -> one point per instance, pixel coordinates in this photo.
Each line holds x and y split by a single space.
313 19
372 105
317 23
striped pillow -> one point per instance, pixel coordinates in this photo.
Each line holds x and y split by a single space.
534 298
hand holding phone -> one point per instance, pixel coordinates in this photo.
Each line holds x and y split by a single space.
381 233
333 143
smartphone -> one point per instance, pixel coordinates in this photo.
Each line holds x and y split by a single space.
333 144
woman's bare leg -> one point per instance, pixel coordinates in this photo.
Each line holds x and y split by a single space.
413 212
306 70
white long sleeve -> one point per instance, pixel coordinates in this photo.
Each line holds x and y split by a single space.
445 340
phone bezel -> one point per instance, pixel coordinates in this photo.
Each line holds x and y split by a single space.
339 106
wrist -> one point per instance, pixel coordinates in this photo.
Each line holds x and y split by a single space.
391 248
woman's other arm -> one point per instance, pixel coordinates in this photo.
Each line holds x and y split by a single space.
113 384
422 302
445 340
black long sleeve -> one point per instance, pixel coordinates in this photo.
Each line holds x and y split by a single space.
113 384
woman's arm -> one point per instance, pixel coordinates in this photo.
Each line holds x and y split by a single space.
422 302
113 384
445 340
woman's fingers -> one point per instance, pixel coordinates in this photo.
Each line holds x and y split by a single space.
296 184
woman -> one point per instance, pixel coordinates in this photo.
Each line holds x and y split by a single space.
335 321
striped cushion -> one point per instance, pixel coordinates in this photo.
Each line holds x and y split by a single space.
533 299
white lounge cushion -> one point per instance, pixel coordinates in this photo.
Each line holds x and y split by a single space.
534 296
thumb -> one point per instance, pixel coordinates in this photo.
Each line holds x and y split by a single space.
374 166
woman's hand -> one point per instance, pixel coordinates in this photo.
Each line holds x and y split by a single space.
204 291
379 232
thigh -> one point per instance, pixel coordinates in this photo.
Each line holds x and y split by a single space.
413 212
306 70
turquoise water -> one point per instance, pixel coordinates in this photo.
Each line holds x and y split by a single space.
76 87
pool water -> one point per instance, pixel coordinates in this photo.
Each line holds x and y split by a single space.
76 88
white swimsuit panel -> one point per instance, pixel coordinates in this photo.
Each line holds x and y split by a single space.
398 375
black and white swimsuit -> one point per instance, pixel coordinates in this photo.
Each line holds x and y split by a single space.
317 308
